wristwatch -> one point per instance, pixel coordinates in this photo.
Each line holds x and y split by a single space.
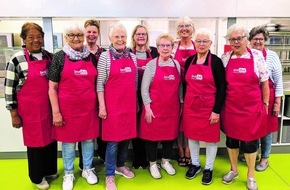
267 104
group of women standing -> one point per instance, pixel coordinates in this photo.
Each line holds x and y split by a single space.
175 91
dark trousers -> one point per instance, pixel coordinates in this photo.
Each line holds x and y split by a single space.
152 146
139 149
42 161
101 151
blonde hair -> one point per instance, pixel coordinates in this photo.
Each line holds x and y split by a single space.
166 37
133 43
186 20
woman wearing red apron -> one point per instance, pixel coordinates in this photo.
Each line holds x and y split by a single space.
244 115
26 88
161 92
181 51
204 96
144 53
116 86
258 37
92 32
73 97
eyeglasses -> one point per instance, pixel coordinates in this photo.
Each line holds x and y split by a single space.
141 34
165 45
31 38
119 37
238 39
184 25
258 39
72 36
202 41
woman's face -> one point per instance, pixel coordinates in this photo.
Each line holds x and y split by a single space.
203 43
185 30
118 39
258 42
33 41
238 42
141 36
164 48
75 39
92 34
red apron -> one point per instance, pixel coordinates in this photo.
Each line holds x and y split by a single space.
34 106
198 104
120 99
78 102
165 105
182 54
244 116
272 120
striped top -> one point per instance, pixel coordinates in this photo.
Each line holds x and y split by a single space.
103 67
149 74
275 71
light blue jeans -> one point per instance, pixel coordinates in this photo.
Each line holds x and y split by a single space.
211 150
116 155
69 154
266 142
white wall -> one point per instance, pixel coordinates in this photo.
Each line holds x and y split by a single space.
141 8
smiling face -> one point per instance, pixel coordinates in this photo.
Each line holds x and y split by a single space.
258 42
91 34
75 39
118 39
164 48
203 43
33 41
141 36
185 30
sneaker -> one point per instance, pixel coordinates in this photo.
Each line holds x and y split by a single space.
207 177
229 177
168 168
68 182
251 184
50 177
43 184
90 176
261 167
192 171
110 183
124 171
154 171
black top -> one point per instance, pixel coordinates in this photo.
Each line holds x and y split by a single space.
56 66
218 72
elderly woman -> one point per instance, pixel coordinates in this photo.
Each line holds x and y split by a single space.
92 31
29 106
72 78
204 98
244 115
144 53
116 86
181 51
161 91
258 37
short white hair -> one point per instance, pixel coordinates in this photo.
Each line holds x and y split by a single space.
236 27
117 26
204 31
74 27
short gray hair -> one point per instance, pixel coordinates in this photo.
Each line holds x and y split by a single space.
204 31
74 27
259 30
236 27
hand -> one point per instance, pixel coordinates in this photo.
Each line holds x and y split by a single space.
57 119
16 121
103 113
148 115
276 109
214 118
